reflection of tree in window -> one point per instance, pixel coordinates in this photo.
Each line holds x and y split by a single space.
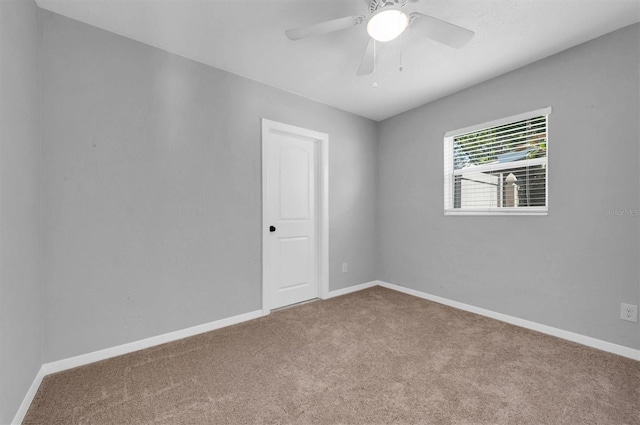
487 146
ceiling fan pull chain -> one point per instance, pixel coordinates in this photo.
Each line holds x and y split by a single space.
375 50
401 44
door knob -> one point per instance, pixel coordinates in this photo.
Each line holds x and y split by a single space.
272 228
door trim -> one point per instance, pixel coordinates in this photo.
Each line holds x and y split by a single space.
322 204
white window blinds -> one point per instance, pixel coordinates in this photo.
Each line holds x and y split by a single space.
498 167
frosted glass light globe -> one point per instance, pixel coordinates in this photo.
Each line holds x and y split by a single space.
387 23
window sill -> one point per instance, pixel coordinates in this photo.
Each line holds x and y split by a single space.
502 211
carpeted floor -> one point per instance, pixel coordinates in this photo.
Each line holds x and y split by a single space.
373 357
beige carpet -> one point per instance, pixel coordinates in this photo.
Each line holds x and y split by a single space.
372 357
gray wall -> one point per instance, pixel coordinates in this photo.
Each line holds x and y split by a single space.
570 269
20 259
152 189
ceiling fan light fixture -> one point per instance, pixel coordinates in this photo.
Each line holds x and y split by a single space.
387 24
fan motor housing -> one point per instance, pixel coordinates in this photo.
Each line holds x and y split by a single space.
374 5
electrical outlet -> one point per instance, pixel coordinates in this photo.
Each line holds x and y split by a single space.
629 312
344 267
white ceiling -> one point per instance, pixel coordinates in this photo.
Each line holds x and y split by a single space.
246 37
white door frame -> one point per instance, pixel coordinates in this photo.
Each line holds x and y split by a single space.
322 214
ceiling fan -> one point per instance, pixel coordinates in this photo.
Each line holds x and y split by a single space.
388 20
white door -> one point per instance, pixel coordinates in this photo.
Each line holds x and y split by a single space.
290 215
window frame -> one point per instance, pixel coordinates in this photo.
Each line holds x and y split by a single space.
449 171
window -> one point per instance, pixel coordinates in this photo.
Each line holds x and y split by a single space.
499 167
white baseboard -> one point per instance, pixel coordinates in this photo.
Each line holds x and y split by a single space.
107 353
26 402
119 350
350 289
84 359
549 330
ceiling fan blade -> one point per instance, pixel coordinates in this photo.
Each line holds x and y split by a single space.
368 62
324 27
441 31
